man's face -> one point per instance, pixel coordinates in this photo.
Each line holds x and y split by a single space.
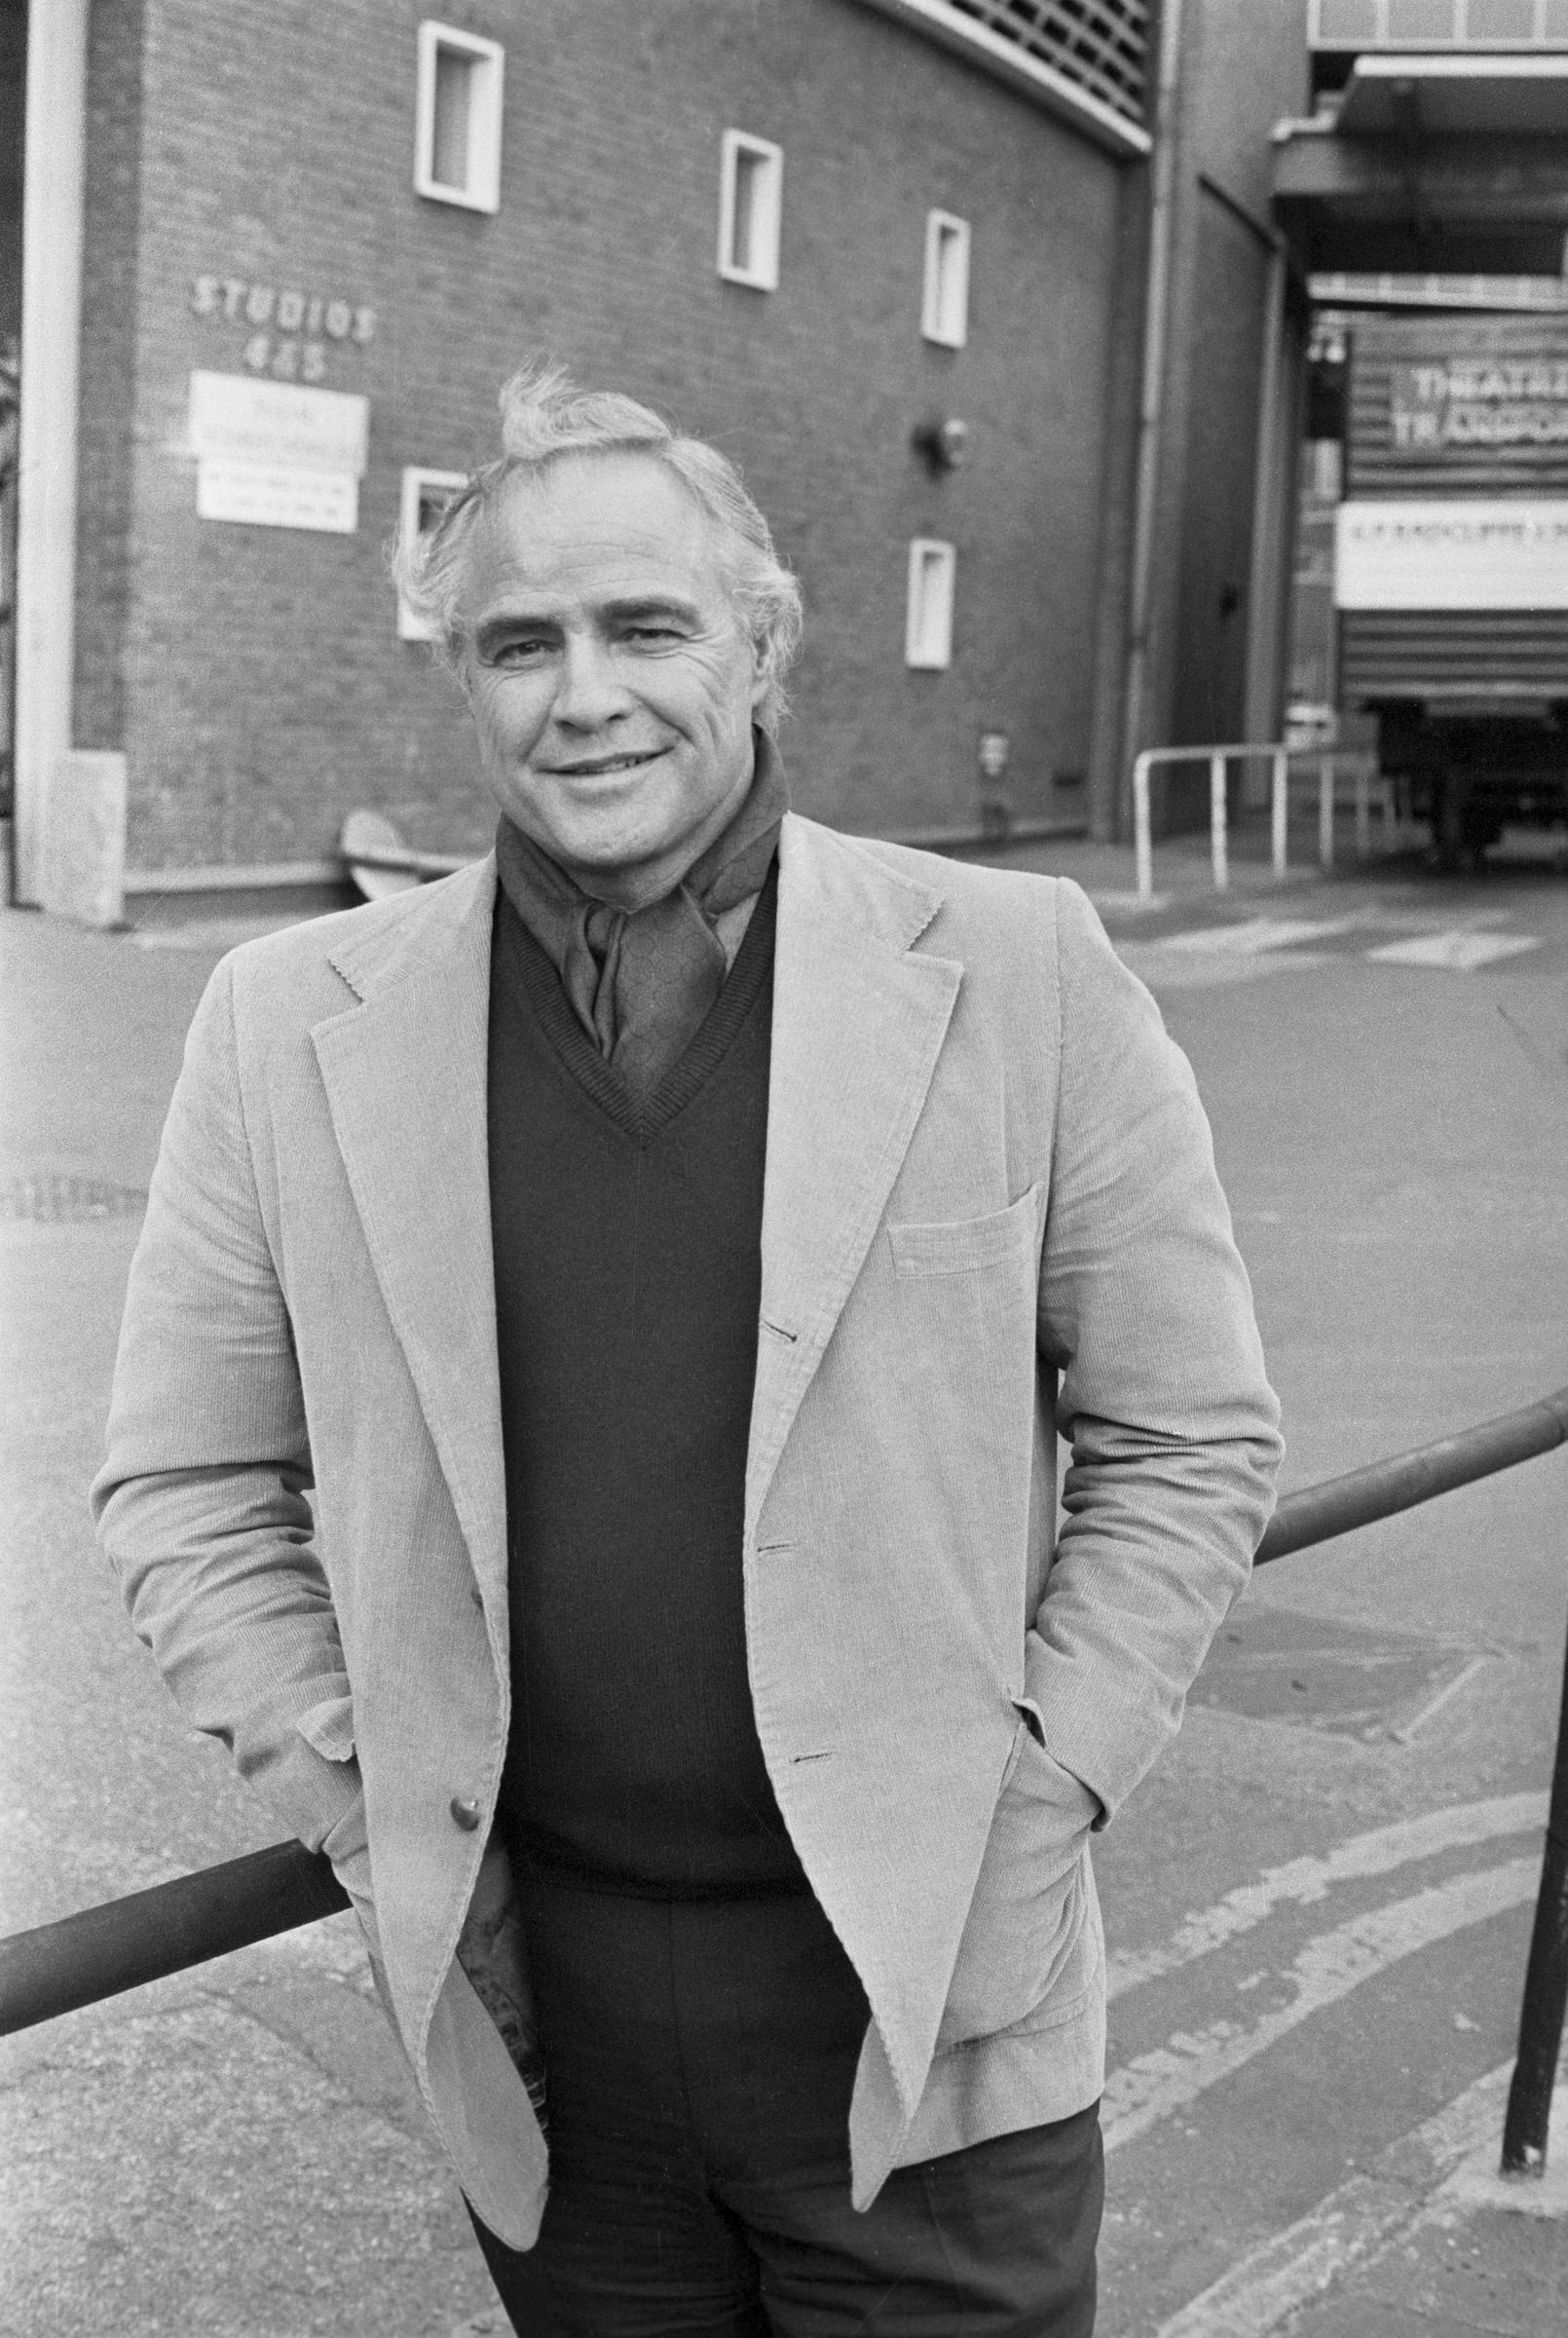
610 679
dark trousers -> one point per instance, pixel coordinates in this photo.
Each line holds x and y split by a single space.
700 2059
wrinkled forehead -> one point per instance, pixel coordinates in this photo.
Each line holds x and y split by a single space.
586 528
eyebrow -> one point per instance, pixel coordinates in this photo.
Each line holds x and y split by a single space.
502 622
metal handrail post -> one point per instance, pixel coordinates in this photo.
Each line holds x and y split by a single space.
1318 1513
1280 810
124 1943
1527 2121
1364 813
79 1959
1217 844
1219 759
1142 829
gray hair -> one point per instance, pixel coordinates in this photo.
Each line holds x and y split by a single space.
543 416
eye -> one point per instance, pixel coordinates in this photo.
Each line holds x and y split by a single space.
652 633
523 648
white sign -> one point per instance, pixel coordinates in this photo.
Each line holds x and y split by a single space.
247 421
270 495
274 455
1415 553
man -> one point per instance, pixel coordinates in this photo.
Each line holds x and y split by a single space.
662 1262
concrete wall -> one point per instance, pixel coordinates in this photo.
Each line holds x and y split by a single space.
253 675
1244 66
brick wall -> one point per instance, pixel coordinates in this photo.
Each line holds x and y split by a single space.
265 691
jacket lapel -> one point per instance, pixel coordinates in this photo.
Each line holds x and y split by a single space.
405 1076
858 1023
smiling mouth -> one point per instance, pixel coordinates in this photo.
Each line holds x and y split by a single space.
605 769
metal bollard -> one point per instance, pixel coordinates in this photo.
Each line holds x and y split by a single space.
1325 812
1143 828
1279 809
1217 822
1546 1985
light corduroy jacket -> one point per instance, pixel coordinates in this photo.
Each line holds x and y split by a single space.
988 1172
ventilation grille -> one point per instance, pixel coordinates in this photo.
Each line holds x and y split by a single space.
1099 44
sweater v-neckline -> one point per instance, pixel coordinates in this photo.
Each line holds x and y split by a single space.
642 1117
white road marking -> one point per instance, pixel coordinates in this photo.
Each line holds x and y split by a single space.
1153 2085
1144 904
1304 1880
1253 2296
1460 951
1165 969
1435 1704
1256 935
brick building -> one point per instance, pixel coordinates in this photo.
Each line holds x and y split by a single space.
313 240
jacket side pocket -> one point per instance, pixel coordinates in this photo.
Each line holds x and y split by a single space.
329 1728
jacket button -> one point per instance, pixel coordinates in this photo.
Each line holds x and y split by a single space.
465 1813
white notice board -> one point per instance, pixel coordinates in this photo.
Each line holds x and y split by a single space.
277 454
269 495
1501 552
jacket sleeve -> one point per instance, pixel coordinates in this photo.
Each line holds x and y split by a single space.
1146 1311
200 1503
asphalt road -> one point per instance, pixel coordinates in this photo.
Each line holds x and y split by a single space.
1317 1907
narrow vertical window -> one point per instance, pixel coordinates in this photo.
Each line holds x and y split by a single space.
425 497
945 308
928 621
751 188
457 142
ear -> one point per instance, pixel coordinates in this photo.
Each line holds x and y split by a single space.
761 674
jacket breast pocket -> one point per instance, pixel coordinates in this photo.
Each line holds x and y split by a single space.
969 1245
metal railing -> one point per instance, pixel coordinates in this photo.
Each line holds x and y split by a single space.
58 1968
1328 763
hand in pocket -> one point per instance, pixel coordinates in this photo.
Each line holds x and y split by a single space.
493 1951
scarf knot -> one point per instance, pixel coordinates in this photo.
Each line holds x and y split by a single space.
643 982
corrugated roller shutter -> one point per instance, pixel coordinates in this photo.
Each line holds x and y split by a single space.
1505 655
1445 405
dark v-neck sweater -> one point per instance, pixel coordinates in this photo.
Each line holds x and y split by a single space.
628 1280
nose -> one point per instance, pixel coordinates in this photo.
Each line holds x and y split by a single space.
591 692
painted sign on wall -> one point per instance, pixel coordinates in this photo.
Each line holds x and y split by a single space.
293 333
1465 404
1474 553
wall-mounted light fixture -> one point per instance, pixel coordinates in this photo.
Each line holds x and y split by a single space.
942 445
995 797
995 750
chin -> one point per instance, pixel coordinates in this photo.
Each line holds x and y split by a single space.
592 846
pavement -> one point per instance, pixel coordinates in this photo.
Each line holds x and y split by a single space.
1317 1907
1427 2239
